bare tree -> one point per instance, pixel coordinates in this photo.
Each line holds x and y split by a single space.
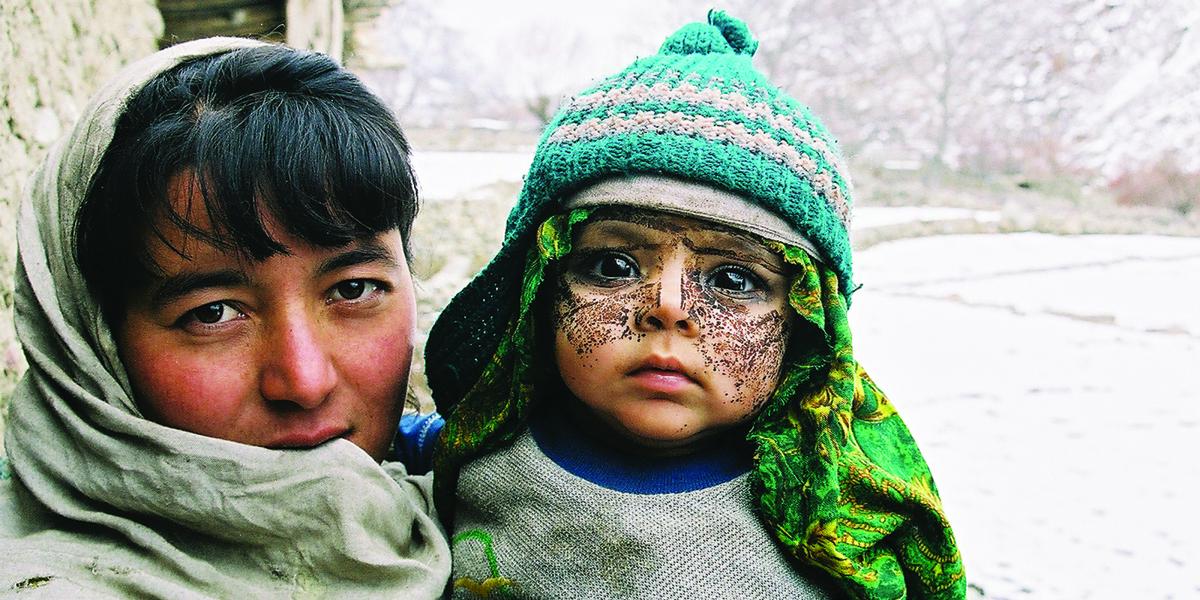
1015 85
419 61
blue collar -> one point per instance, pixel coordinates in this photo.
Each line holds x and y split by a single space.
580 453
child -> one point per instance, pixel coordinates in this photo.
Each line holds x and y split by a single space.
214 298
651 390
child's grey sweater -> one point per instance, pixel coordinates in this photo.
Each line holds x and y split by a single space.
523 518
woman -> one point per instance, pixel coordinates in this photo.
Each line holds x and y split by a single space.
214 299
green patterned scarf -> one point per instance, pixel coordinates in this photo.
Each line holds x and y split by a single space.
837 477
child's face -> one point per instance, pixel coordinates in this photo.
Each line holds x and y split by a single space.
289 352
670 329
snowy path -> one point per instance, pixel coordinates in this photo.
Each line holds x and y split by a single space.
1050 382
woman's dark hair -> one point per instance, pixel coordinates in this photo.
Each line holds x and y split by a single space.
265 130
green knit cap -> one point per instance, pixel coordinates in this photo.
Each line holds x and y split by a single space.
698 110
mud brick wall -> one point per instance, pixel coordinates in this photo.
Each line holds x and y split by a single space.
53 56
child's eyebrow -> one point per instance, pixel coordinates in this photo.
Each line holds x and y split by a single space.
618 235
619 245
368 251
616 228
181 284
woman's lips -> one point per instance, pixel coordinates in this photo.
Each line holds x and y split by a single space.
309 438
662 374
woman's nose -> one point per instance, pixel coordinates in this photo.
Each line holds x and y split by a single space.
297 365
671 308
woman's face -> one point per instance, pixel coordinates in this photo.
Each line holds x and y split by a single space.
290 352
670 329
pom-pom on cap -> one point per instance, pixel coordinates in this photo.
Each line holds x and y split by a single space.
722 34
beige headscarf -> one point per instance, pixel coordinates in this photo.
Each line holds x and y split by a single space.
102 502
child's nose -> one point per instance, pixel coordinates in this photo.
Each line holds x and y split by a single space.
297 367
671 310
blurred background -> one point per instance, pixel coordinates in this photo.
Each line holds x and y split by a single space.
1027 189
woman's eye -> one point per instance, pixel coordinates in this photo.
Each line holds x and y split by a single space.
213 313
613 266
733 279
353 289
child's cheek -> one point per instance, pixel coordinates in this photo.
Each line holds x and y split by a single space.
749 351
742 346
590 321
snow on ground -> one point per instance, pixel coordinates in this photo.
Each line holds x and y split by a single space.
866 217
1144 283
1048 380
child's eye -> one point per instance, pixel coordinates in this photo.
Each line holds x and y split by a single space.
355 289
736 279
213 313
610 266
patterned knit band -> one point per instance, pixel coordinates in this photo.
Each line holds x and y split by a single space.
698 110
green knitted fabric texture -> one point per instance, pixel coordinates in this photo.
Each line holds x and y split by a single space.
837 477
697 110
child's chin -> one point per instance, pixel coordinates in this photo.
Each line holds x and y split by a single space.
661 440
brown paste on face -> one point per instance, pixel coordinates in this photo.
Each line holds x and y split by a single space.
746 348
590 323
734 343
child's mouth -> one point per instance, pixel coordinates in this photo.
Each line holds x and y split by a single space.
660 374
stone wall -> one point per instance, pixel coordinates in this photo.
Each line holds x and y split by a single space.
53 55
